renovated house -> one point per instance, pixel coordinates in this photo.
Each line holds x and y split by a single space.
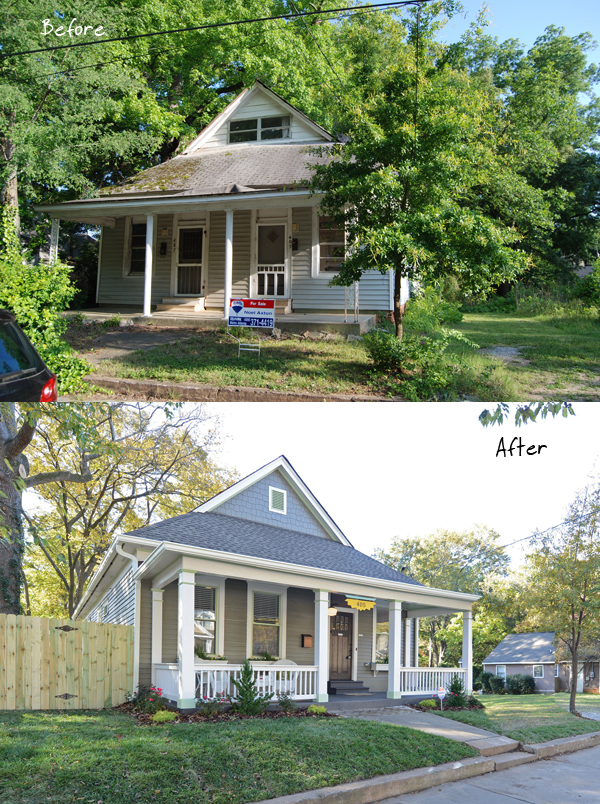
229 217
529 654
262 572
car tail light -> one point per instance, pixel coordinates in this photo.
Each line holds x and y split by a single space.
49 391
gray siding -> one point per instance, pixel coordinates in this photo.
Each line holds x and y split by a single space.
545 684
169 624
236 593
215 286
120 599
313 293
253 504
146 633
300 620
113 287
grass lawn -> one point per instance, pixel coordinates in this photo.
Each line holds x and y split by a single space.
563 353
528 718
105 756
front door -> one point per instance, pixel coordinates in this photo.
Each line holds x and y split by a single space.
340 647
270 276
189 261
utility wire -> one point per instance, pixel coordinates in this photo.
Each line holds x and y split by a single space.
553 527
350 9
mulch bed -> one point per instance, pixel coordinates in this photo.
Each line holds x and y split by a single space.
219 717
470 708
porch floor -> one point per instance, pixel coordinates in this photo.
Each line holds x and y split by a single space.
374 700
213 319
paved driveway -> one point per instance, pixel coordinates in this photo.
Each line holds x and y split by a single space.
569 779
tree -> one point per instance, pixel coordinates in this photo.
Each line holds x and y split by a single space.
563 580
419 183
447 560
159 466
526 412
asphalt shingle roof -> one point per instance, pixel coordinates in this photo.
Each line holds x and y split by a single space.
244 537
215 171
529 648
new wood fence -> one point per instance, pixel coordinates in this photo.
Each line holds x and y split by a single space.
61 664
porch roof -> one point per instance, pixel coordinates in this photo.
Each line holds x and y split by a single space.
243 537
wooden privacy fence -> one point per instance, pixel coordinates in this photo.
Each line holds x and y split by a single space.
63 664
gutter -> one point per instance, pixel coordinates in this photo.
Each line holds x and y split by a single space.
137 611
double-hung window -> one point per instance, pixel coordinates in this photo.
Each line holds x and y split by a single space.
205 618
137 252
266 623
501 671
538 671
382 634
332 245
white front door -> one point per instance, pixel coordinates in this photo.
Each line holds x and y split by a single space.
272 260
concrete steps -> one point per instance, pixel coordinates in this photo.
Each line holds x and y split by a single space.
490 746
182 304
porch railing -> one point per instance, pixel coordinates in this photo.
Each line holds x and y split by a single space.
298 681
429 679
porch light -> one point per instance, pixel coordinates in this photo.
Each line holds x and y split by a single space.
332 611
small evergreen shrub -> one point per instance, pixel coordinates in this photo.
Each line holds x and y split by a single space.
248 700
286 703
313 709
429 703
484 680
497 685
457 695
520 684
164 716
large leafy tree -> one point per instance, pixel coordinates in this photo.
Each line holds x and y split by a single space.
447 560
426 185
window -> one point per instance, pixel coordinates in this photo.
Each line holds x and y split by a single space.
137 256
538 671
277 500
265 624
332 245
557 670
501 671
382 634
205 619
264 128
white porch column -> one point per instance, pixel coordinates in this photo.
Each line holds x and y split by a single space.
416 642
148 265
228 259
395 654
157 618
407 653
185 639
322 643
467 651
54 239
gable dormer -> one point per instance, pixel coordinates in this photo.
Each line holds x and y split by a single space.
258 116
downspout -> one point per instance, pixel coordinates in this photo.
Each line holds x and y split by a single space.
136 616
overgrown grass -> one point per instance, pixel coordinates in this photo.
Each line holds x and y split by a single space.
107 757
528 718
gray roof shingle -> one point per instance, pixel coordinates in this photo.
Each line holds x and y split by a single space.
527 648
244 537
216 171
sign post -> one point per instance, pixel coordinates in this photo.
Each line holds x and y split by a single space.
258 313
441 696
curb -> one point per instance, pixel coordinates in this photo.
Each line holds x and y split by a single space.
564 745
199 392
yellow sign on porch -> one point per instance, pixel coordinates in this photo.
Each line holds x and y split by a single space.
360 605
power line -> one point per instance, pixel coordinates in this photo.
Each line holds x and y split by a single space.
351 9
553 527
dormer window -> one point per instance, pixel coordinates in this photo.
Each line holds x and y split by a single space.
263 128
277 500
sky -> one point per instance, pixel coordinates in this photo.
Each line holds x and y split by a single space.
383 470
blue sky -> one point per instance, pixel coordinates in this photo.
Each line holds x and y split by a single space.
526 19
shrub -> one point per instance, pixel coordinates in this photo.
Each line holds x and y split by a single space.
471 700
457 695
313 709
286 702
429 311
484 680
497 685
164 716
520 684
147 698
248 700
429 703
207 707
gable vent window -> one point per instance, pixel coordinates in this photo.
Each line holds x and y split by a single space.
205 619
259 128
277 500
265 627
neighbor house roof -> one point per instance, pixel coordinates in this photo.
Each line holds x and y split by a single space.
217 171
536 648
244 537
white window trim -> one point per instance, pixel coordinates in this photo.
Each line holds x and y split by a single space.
129 220
276 510
374 639
272 589
498 674
533 670
556 670
315 267
218 584
258 140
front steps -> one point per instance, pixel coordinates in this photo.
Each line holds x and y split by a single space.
351 688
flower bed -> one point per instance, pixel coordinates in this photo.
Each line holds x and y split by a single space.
221 716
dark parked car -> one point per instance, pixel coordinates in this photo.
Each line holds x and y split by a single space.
24 377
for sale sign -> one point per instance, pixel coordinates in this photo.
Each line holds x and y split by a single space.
251 313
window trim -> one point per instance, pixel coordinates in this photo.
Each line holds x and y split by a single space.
374 638
276 510
218 584
272 589
499 674
259 118
533 667
316 248
557 670
127 240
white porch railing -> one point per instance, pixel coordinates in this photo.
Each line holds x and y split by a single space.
418 680
299 681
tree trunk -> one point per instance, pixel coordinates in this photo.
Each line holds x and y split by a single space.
11 524
574 674
10 194
399 309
